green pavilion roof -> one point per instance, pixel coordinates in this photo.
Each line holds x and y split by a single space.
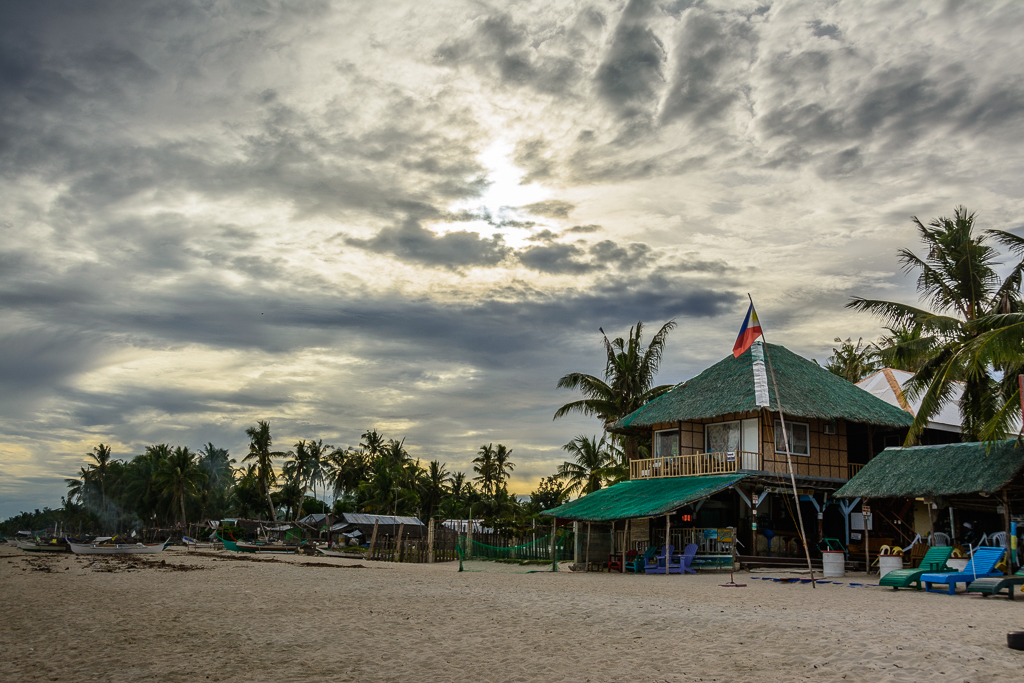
642 498
807 389
948 470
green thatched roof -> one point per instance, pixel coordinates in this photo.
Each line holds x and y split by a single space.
642 498
947 470
807 389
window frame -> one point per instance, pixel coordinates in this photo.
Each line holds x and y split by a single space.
654 443
778 428
739 427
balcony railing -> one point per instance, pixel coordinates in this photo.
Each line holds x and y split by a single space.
694 465
854 468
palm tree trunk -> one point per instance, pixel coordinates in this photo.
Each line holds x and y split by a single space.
181 499
631 448
273 513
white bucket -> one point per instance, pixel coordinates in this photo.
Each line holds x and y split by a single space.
833 563
889 563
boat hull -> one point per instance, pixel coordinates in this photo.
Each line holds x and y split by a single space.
120 549
43 547
254 548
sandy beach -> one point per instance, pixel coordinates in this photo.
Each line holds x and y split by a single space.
225 617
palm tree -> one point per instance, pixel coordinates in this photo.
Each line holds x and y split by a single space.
433 487
591 463
180 476
260 442
903 348
961 341
503 467
852 362
216 463
101 457
484 467
318 463
142 491
628 382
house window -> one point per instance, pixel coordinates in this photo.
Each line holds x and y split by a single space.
722 437
799 438
666 443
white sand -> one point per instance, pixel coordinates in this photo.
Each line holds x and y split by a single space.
238 620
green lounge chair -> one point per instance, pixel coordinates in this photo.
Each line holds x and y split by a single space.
995 584
640 562
933 561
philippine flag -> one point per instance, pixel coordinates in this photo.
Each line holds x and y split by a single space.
750 331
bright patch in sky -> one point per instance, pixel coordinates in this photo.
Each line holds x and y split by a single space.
504 193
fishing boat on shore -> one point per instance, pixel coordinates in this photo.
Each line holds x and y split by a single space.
278 548
54 546
193 544
117 548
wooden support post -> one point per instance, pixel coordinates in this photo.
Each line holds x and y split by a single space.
469 536
587 556
867 538
430 540
373 540
625 546
753 521
554 558
575 542
668 537
398 543
1009 536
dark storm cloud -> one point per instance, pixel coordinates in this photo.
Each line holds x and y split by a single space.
822 30
552 208
411 242
562 259
895 107
500 46
632 255
631 75
572 259
704 83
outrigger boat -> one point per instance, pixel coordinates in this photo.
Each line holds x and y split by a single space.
117 548
193 544
265 548
51 547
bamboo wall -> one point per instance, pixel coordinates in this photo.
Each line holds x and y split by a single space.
828 452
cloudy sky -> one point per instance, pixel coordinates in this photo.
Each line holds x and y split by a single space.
416 216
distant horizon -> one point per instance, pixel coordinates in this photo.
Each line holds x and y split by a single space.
337 217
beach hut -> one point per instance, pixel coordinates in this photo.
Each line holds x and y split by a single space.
985 478
717 471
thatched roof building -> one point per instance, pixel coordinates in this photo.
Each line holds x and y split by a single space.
728 387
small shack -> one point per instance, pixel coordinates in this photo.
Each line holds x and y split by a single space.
387 525
984 477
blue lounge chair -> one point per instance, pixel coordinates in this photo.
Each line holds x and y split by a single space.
689 552
982 565
659 564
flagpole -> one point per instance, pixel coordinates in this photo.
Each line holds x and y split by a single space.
789 460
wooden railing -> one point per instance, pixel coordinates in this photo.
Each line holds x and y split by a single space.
693 465
854 468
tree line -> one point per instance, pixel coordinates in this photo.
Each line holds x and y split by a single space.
973 333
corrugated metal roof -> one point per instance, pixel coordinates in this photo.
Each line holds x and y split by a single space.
807 389
360 518
642 498
946 470
880 384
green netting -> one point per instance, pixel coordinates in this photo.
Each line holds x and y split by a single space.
539 549
642 498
